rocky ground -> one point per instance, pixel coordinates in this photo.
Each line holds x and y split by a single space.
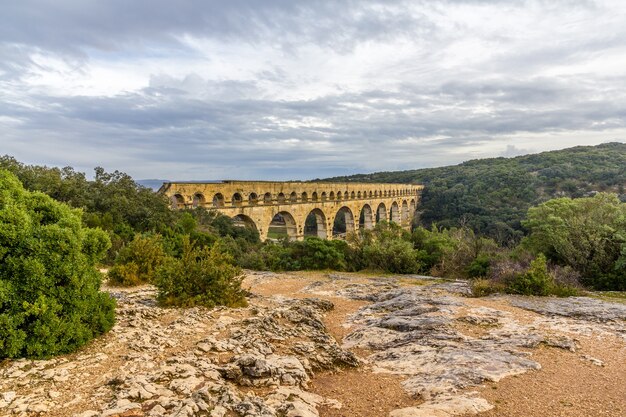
335 345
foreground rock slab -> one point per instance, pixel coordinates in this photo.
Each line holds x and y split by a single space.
250 362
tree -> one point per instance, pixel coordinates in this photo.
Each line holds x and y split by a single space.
588 234
50 301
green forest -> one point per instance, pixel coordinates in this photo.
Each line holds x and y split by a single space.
492 196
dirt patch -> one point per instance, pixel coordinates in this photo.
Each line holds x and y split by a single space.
567 385
362 393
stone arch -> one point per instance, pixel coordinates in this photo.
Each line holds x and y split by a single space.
218 200
370 194
343 222
324 196
293 197
244 221
304 197
385 193
352 195
314 196
366 218
178 201
280 198
345 195
267 198
331 196
375 193
412 206
339 196
282 225
315 224
358 195
405 210
198 200
253 199
237 200
394 213
380 193
381 213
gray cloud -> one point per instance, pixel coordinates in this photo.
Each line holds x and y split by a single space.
276 117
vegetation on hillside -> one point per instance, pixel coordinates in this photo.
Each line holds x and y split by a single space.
492 196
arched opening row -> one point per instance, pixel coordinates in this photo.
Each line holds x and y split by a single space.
284 225
253 199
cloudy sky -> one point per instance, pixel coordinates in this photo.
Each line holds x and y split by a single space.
298 89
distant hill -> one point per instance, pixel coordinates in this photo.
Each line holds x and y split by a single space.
492 195
153 184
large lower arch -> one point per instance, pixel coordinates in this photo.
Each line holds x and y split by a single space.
315 224
366 218
381 213
394 213
283 225
343 223
412 207
242 220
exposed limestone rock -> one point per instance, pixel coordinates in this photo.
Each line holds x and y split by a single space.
577 307
446 406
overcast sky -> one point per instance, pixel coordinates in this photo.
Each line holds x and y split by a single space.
298 89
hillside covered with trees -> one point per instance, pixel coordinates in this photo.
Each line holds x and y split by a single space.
493 195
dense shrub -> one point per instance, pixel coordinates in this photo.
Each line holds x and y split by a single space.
479 267
201 276
483 287
50 301
395 256
137 262
454 253
315 253
587 234
535 281
527 278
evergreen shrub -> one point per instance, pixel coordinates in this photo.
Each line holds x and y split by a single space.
50 299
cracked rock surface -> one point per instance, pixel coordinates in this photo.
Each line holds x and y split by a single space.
255 361
263 360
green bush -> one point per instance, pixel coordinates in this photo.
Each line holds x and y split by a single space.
316 253
137 262
479 267
50 301
535 281
483 287
395 256
202 276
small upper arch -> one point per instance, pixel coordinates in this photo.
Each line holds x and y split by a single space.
253 199
237 200
198 200
218 200
178 201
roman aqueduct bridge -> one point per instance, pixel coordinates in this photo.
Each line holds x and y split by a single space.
260 204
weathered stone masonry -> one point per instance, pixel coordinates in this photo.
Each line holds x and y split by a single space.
257 202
